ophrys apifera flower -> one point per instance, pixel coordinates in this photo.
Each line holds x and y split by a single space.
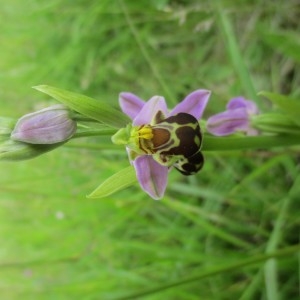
158 139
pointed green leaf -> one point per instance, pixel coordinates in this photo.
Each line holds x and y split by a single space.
116 182
232 45
96 109
289 105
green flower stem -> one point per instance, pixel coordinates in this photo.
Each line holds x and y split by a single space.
81 118
222 143
97 147
251 142
94 132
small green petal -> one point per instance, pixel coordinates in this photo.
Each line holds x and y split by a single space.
122 136
116 182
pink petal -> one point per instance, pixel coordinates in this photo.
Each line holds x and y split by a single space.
237 102
130 104
241 102
228 122
151 175
149 110
193 104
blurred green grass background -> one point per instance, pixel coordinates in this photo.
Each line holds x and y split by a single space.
56 244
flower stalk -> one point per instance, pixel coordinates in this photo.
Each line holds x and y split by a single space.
249 143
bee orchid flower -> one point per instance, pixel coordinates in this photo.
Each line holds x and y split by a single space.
158 139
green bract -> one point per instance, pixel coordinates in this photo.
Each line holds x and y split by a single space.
289 105
6 126
98 110
120 180
14 150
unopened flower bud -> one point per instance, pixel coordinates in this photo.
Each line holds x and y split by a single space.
236 118
47 126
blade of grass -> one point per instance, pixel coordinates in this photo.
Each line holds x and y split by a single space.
270 268
187 211
255 284
252 261
234 51
146 54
